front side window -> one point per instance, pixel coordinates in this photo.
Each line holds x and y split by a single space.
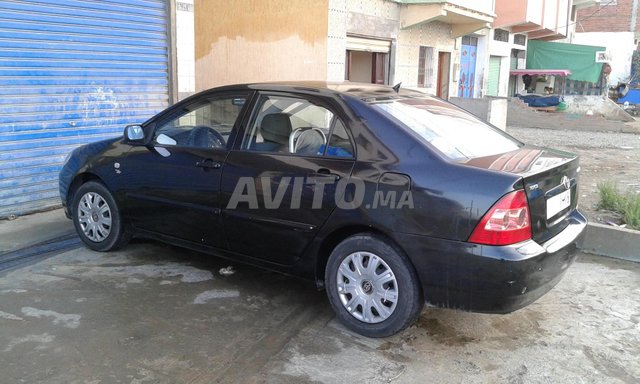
457 134
207 124
293 125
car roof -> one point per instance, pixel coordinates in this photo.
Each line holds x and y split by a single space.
359 90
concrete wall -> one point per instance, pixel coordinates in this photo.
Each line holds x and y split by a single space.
484 6
367 18
436 35
534 10
489 109
185 48
563 18
621 46
509 12
336 41
260 40
498 109
598 105
373 18
549 19
482 62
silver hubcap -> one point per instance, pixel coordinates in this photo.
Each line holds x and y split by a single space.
367 287
94 217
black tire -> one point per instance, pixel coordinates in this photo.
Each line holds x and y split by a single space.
106 237
409 301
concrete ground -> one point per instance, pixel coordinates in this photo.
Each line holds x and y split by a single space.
26 231
157 314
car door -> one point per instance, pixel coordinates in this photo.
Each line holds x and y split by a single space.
282 181
174 182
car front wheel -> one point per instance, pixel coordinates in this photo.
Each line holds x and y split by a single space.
372 287
97 219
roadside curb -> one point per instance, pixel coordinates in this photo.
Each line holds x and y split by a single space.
605 240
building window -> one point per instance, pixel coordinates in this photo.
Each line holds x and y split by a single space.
501 35
520 39
470 40
426 71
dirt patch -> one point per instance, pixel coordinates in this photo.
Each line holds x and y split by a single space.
604 156
443 333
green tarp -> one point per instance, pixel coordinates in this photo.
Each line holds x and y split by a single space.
579 59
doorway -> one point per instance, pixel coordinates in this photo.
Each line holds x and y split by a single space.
444 62
367 60
366 67
493 84
468 66
517 61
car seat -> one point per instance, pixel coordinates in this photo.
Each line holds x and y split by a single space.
275 130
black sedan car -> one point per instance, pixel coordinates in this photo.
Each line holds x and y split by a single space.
385 197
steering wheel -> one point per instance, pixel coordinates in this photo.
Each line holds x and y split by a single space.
202 136
299 136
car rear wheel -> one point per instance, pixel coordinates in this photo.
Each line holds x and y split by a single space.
372 287
97 218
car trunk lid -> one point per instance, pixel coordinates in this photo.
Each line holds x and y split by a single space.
550 181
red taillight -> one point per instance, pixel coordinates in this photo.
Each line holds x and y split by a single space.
507 222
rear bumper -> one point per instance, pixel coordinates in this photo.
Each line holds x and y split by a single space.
490 278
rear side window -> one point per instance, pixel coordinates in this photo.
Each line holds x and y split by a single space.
454 132
297 126
340 144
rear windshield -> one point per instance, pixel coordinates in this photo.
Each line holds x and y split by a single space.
457 134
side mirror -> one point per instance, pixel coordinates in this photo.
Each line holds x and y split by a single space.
134 134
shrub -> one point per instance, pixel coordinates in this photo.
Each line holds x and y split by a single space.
628 204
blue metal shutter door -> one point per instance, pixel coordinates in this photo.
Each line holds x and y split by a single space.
72 72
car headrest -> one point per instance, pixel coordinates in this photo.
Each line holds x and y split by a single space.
276 127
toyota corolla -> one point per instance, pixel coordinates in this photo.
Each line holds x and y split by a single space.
385 197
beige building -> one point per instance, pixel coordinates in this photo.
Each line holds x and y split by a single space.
259 40
418 43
